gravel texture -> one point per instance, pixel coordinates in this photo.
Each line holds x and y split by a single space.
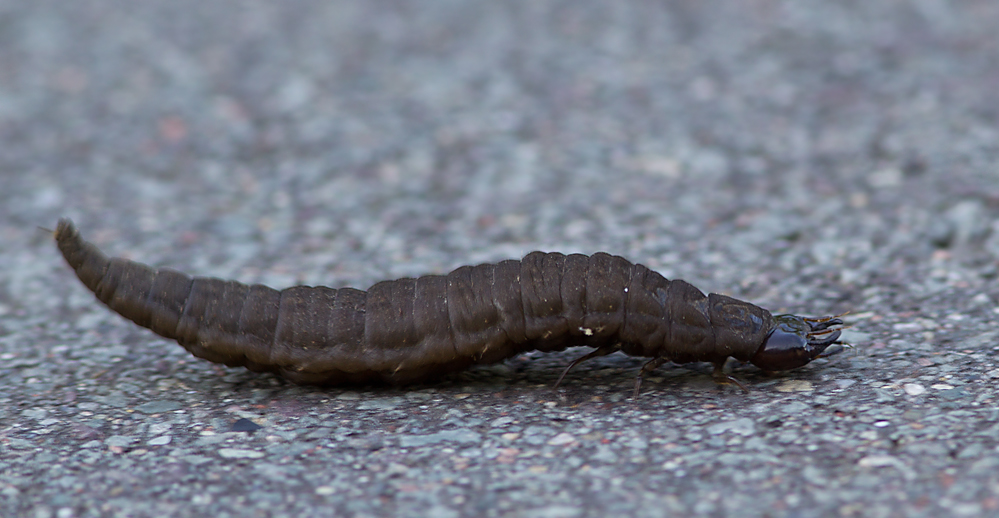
812 157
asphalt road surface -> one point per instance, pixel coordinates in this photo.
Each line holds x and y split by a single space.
810 157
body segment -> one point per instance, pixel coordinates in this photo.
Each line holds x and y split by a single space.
411 329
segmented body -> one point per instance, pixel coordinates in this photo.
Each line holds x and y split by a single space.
411 329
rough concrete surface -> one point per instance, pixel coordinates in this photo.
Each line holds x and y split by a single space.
812 157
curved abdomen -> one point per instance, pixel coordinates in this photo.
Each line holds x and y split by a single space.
409 329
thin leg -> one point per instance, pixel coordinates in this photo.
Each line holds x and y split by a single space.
724 379
603 351
647 368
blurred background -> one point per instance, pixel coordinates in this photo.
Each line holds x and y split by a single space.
735 145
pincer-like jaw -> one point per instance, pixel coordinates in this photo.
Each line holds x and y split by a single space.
794 341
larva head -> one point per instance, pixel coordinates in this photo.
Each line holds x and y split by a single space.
794 341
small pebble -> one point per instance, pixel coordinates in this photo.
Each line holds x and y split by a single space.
236 453
245 425
561 439
878 461
795 386
159 441
907 327
844 383
158 407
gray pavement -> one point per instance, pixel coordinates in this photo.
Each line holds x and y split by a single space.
811 157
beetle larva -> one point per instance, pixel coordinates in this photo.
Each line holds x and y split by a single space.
411 329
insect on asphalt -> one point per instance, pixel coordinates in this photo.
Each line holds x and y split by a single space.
408 330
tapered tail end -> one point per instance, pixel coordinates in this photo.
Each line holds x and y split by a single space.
65 232
85 259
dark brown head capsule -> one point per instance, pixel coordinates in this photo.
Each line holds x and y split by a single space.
794 341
